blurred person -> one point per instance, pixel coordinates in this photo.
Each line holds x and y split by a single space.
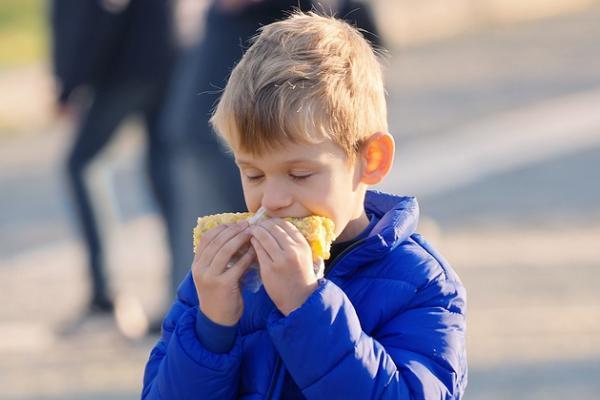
120 53
305 115
204 177
359 14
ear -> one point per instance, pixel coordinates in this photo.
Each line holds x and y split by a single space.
377 157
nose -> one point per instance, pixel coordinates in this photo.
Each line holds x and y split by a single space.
275 199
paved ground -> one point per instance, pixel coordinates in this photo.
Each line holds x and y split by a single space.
500 128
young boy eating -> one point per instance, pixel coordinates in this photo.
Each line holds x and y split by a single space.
304 114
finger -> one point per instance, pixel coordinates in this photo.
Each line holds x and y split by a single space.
266 240
261 254
225 254
200 263
281 236
209 236
242 265
217 242
291 230
207 251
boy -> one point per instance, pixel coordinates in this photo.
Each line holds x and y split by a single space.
304 114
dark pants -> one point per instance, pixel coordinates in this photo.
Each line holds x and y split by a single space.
109 107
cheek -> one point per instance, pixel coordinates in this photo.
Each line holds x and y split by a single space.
326 201
251 197
341 200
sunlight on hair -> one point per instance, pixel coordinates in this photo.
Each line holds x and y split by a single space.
305 79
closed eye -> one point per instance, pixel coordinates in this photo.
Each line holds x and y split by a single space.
254 178
300 177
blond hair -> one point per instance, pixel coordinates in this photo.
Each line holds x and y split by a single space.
304 79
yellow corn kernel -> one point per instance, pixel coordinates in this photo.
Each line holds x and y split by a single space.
318 231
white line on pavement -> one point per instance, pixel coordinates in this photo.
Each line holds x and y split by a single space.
552 128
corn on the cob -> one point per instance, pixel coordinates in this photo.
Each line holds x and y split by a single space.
318 231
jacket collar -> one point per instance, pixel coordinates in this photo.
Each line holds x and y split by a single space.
398 219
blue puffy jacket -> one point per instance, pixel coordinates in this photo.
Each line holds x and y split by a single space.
387 322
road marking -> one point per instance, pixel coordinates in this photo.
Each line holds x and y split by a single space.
503 143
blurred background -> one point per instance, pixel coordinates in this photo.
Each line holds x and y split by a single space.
495 106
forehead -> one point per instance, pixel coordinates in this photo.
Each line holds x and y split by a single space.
290 153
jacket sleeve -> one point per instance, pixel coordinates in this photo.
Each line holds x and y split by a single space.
180 367
417 354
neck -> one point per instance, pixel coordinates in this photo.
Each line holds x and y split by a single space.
354 228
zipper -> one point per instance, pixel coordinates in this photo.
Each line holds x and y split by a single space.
277 369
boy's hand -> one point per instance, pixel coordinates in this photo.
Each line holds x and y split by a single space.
218 286
286 266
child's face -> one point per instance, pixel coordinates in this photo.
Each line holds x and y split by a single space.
298 180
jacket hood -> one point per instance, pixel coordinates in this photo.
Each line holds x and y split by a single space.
398 219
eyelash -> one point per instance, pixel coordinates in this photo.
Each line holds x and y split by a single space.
300 177
294 177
